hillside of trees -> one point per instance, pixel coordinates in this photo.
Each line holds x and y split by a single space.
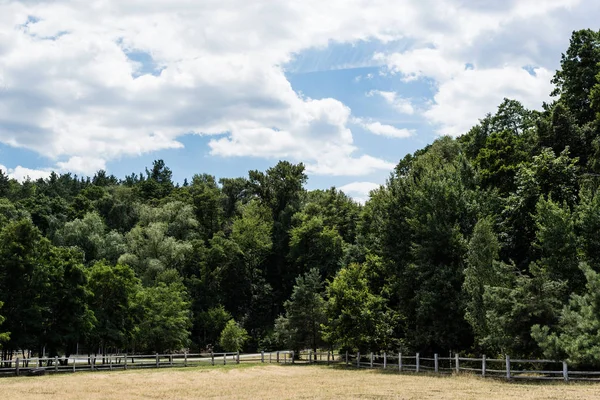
487 243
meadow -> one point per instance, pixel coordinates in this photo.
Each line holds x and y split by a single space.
248 381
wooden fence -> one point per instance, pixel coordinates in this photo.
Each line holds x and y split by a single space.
505 368
42 365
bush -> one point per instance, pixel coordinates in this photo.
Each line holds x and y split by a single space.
233 337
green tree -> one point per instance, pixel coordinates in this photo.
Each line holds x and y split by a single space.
357 319
165 318
576 337
233 337
557 244
314 243
577 76
23 283
482 271
4 336
514 305
114 291
305 313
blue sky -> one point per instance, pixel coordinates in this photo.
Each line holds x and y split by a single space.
347 87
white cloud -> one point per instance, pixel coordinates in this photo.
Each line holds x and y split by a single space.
85 166
378 128
21 174
481 61
401 105
468 96
70 91
359 191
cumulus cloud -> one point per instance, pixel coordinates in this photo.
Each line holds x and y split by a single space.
378 128
72 89
22 174
403 106
359 191
483 60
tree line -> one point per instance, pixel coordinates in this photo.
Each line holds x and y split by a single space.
488 242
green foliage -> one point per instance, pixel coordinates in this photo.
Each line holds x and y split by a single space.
515 304
4 336
313 243
557 244
482 271
233 337
357 319
577 76
114 291
304 314
164 318
576 338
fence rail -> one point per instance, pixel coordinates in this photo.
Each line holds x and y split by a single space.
42 365
486 367
500 368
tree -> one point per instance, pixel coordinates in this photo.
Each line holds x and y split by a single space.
577 76
4 336
515 304
357 319
577 336
481 271
557 244
305 313
66 317
23 283
313 243
165 318
280 189
114 291
233 337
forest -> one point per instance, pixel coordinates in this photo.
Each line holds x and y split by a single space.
486 243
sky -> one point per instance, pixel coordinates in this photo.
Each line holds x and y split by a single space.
347 87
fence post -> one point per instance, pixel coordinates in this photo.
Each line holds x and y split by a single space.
399 362
110 362
418 363
435 362
483 365
327 357
125 365
55 363
17 366
270 357
237 358
277 357
212 358
346 358
292 354
565 370
371 365
93 361
262 356
224 358
358 359
507 366
74 362
384 360
456 363
185 358
157 361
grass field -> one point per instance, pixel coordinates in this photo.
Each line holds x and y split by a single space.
279 382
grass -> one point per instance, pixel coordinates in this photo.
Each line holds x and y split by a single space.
252 381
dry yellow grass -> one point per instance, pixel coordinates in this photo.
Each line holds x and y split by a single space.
279 382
